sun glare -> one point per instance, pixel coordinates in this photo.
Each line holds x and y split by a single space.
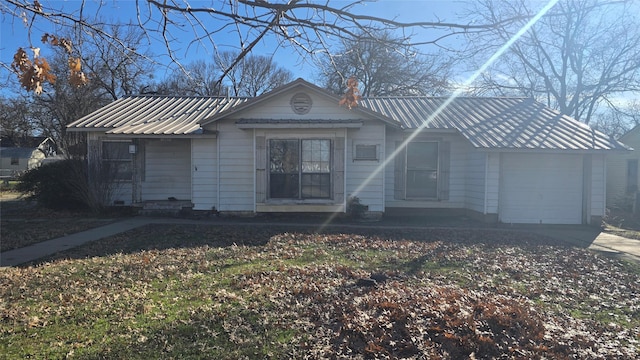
448 101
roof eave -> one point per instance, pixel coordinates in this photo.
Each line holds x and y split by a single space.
543 150
88 129
208 135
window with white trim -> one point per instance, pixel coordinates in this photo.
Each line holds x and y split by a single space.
422 170
365 152
116 160
299 168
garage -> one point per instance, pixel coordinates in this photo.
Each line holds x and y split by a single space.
541 189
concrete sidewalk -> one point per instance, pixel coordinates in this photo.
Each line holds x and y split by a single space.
628 249
49 247
585 237
596 240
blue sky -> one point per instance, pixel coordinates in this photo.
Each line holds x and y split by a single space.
14 34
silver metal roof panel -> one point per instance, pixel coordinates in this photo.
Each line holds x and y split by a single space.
495 123
155 115
487 123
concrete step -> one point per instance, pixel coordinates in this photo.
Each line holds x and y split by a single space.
165 207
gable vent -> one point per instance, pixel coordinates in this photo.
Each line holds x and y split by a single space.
301 103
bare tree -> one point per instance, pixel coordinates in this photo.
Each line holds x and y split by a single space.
16 120
113 72
253 75
198 78
385 68
61 103
578 58
305 26
118 69
618 123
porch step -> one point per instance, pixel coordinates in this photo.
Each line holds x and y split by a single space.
164 207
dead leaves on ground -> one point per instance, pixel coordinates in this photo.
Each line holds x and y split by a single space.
263 292
17 234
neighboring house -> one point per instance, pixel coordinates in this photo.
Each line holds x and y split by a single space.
15 160
622 173
509 160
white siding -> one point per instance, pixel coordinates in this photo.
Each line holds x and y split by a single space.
616 179
280 108
389 172
493 183
598 186
617 170
361 180
23 163
457 178
205 176
475 181
237 165
167 170
236 168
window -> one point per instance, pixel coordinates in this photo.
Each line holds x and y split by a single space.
116 160
422 170
632 175
15 160
365 152
300 169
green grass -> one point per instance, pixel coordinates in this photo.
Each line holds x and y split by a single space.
9 186
192 292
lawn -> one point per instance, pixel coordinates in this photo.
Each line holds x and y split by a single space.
229 292
23 223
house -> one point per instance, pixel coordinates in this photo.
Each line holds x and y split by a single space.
622 173
15 160
294 149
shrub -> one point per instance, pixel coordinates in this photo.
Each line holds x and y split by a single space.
355 209
52 185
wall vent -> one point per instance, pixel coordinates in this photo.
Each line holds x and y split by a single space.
301 103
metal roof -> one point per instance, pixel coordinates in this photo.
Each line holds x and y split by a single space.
495 123
488 123
155 115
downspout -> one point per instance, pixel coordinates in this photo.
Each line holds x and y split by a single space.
134 176
605 164
586 188
384 171
486 184
218 171
344 178
193 168
255 207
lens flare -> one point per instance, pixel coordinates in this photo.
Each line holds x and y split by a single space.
448 101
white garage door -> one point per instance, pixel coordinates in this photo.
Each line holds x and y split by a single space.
541 189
